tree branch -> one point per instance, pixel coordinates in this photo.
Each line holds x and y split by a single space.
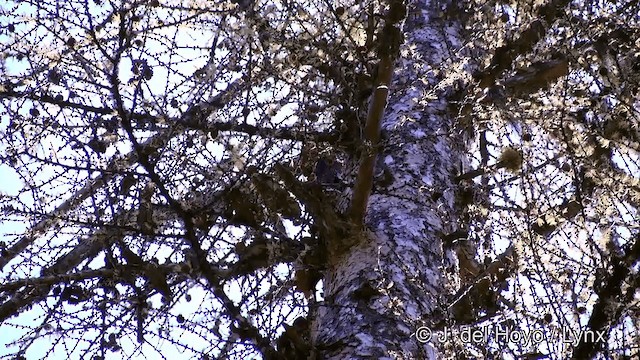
607 310
392 38
504 55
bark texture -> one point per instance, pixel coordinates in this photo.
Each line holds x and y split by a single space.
395 279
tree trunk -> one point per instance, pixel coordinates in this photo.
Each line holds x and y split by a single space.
395 279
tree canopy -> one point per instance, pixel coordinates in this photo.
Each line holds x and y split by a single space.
180 177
